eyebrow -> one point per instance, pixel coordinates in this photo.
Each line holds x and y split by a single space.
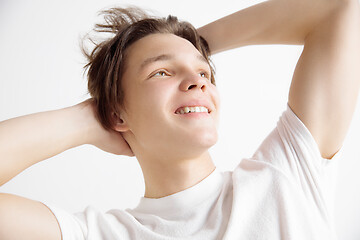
165 57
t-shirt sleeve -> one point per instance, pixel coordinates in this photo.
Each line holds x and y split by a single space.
291 149
72 228
94 224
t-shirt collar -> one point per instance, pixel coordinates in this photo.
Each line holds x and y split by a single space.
184 199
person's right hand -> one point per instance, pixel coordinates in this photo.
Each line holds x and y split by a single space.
107 140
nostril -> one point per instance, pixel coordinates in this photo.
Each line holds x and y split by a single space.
192 86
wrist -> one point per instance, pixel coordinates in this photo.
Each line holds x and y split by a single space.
86 125
77 126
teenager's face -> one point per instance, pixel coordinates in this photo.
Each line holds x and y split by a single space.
164 73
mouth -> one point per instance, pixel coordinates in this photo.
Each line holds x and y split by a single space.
193 110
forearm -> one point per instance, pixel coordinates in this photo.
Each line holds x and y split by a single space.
270 22
29 139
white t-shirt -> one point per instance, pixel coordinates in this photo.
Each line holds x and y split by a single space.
285 191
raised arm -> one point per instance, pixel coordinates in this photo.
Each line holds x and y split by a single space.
326 81
27 140
269 22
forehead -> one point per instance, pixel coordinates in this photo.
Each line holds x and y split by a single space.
158 44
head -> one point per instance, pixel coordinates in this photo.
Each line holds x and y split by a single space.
144 73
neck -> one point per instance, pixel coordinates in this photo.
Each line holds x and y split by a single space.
163 178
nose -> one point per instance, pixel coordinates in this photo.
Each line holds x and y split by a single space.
193 81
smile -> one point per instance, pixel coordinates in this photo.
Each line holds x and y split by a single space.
197 109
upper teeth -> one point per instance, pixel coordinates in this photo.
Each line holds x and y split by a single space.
192 109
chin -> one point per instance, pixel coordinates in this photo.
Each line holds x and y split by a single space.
205 141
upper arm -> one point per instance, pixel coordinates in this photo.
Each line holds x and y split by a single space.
326 81
22 218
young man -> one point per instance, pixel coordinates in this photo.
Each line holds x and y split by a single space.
163 79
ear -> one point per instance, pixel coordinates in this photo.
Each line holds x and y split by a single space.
120 125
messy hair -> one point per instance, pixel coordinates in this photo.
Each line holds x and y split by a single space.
105 66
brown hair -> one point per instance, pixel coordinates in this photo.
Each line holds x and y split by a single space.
106 61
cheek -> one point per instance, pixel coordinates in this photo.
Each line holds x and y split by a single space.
151 125
158 92
150 104
154 97
215 96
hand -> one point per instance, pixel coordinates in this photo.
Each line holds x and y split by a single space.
107 140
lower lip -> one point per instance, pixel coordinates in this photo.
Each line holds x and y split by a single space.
194 114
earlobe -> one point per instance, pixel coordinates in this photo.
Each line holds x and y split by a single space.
119 127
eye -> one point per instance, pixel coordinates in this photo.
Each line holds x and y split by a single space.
204 74
160 73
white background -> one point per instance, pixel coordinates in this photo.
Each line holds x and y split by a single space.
41 69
